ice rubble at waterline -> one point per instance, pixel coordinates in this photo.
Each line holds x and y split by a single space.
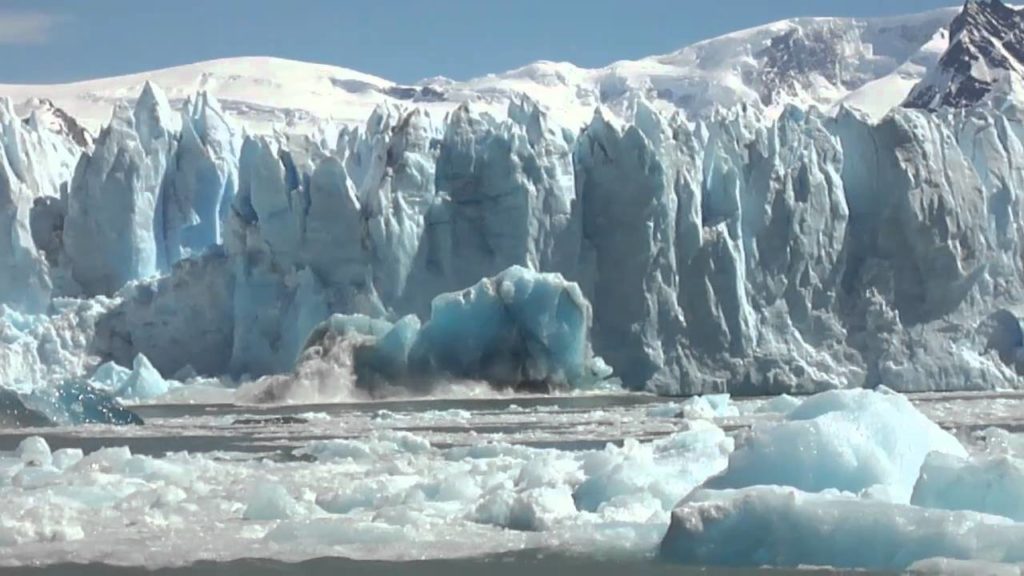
388 494
396 494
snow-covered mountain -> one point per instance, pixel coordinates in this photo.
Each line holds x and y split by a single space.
984 60
869 63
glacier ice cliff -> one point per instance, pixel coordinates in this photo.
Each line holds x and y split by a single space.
149 193
34 163
737 253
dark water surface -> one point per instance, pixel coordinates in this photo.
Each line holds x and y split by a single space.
283 423
518 564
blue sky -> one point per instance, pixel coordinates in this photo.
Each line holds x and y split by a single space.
402 40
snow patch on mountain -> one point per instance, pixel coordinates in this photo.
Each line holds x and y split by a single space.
804 61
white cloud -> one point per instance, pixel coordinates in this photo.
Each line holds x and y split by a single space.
26 27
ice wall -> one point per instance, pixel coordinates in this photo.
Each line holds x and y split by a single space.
34 163
737 254
153 191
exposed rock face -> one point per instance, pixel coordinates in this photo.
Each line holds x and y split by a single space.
984 61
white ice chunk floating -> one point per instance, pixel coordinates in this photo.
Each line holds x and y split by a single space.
143 382
993 484
520 329
780 526
853 441
270 501
34 451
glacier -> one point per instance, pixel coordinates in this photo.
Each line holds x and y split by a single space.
148 195
792 271
34 163
736 253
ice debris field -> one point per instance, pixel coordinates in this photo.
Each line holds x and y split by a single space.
849 479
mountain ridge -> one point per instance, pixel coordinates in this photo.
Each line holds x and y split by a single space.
806 61
985 59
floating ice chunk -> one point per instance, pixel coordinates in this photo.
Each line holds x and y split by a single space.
159 470
495 508
665 470
110 460
378 444
109 377
367 493
697 408
849 440
539 509
778 526
990 484
706 407
34 451
67 457
270 501
999 441
517 328
782 404
548 469
722 405
144 382
951 567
